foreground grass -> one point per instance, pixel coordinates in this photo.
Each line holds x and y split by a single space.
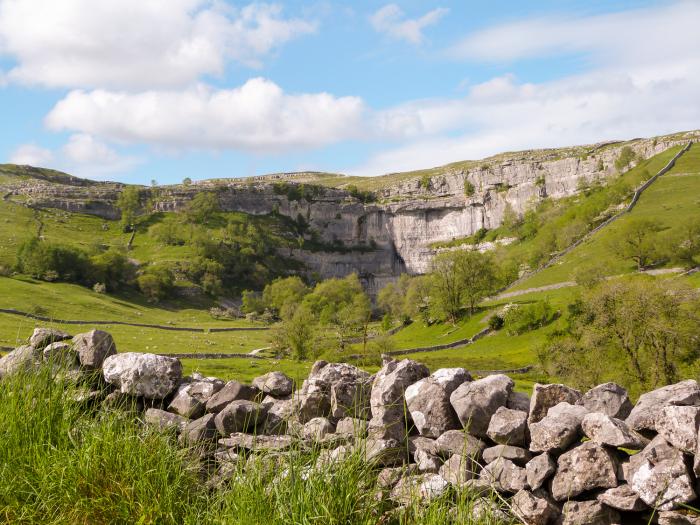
63 463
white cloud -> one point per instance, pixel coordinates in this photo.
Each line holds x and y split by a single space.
391 20
31 155
137 43
258 116
86 154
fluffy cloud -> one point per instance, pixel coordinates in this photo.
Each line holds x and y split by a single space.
257 116
136 43
31 155
391 20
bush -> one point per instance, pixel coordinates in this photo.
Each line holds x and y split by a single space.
523 318
49 261
425 182
156 283
627 156
469 188
496 322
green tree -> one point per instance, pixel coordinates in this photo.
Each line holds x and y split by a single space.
186 181
129 204
685 243
284 294
637 240
297 334
156 282
202 207
626 157
114 269
393 299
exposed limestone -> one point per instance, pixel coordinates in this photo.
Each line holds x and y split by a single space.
93 348
504 475
21 358
41 337
607 430
231 391
539 469
649 405
475 402
508 427
679 426
517 455
609 399
148 375
622 498
586 467
276 384
545 397
589 513
533 508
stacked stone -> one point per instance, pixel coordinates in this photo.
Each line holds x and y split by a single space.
561 456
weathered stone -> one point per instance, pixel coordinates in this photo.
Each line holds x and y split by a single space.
164 420
607 430
459 442
258 442
539 469
387 398
232 391
390 476
622 498
422 443
679 426
41 337
486 510
329 458
533 508
384 452
589 513
609 399
186 404
508 427
586 467
311 402
428 401
61 353
576 412
351 427
659 475
475 402
94 347
148 375
554 433
22 358
203 388
426 461
199 430
276 384
676 517
517 455
504 475
649 405
317 428
545 397
421 487
518 401
240 416
351 398
458 469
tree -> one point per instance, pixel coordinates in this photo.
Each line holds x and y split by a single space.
156 282
636 332
202 207
637 240
685 243
626 157
297 334
129 204
393 299
186 181
113 268
284 294
510 218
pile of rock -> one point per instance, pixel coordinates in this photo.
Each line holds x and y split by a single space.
559 456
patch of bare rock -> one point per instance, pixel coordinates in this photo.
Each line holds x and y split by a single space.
560 456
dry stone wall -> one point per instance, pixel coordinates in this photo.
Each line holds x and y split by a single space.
558 455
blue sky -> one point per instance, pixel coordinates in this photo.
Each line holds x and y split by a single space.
136 90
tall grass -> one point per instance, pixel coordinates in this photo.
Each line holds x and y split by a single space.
62 462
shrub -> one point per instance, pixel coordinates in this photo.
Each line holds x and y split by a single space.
425 182
523 318
52 262
469 188
496 322
156 283
626 157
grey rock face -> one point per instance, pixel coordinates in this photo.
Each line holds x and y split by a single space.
93 348
422 487
148 375
607 430
22 358
554 433
42 337
539 469
589 513
622 498
241 416
649 405
276 384
164 420
659 475
232 391
428 401
199 430
679 426
517 455
387 398
504 475
475 402
586 467
545 397
459 442
61 353
318 428
458 469
533 508
508 427
609 399
576 412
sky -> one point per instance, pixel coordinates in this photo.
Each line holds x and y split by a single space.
159 90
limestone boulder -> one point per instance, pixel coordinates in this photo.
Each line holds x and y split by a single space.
351 427
533 508
420 487
93 348
384 452
230 392
41 337
241 441
622 498
587 467
554 433
318 428
610 431
609 399
539 469
504 476
428 401
677 517
459 469
517 455
148 375
459 442
545 397
241 416
679 426
61 353
350 398
164 420
650 405
22 358
477 401
427 462
199 431
275 384
185 404
518 401
589 513
508 427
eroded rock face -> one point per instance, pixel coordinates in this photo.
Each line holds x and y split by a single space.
508 427
545 397
609 399
428 401
650 405
477 401
587 467
607 430
276 384
93 348
148 375
387 398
